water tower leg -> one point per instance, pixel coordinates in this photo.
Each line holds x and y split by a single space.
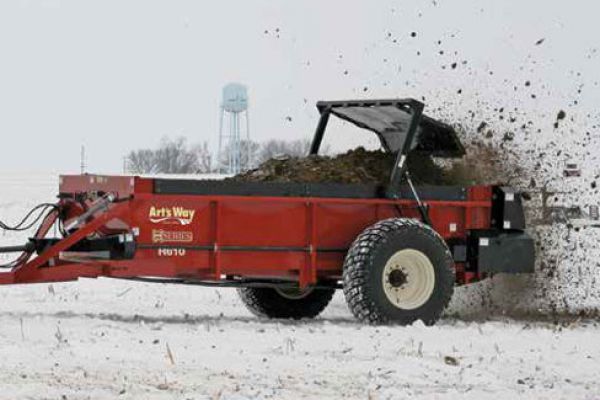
238 143
248 144
219 153
231 143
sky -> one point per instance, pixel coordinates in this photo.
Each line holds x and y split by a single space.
116 76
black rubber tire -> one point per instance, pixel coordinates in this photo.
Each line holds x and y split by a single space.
267 302
364 266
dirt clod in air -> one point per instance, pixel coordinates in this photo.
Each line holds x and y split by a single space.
449 360
508 136
559 117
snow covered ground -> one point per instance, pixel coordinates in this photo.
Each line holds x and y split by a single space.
103 339
97 339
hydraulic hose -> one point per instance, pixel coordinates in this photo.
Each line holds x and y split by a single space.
25 224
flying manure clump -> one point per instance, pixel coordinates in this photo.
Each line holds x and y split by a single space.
559 117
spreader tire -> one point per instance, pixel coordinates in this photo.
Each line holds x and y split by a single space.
285 304
398 271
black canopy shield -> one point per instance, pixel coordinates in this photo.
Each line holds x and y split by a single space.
391 120
400 126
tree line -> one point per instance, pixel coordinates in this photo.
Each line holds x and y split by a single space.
177 156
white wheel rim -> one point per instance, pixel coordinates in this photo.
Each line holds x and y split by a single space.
408 279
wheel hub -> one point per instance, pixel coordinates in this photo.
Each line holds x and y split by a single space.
397 278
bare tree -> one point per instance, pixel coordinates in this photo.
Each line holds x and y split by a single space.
204 156
173 156
142 162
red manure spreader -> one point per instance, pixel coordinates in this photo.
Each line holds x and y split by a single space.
396 250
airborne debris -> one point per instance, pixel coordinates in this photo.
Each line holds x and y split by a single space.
559 117
449 360
508 136
482 127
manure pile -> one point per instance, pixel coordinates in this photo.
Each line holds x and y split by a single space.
358 166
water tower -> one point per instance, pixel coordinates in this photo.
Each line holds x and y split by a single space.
234 106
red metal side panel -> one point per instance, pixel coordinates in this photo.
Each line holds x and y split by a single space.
263 223
274 236
479 217
448 221
339 224
247 226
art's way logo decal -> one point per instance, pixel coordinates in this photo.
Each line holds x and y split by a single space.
171 215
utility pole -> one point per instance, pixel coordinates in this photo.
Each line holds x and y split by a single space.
82 159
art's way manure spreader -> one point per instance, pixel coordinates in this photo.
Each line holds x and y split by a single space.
396 250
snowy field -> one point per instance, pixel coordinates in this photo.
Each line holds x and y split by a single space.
97 339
